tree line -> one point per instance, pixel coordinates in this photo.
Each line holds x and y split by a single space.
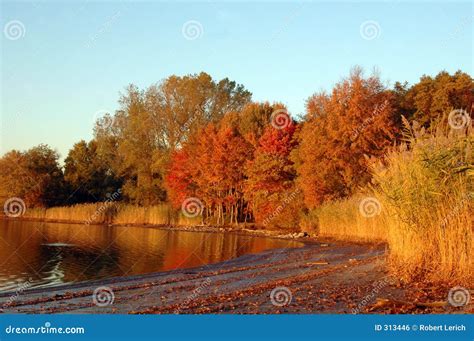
244 161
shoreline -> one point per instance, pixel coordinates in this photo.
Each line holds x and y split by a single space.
243 230
323 276
338 277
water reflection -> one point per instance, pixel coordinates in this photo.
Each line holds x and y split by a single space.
50 254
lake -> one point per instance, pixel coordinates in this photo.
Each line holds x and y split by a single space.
38 254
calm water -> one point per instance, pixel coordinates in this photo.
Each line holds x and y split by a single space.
47 254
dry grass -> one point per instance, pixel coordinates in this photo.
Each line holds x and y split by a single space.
113 213
343 219
424 190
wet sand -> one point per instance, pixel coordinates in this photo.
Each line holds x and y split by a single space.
324 276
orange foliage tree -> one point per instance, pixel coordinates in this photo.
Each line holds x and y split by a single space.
210 167
342 131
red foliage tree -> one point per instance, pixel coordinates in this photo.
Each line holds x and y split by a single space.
270 185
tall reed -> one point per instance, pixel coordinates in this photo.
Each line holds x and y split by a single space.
421 203
346 219
426 188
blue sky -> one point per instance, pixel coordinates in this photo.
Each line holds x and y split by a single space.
70 60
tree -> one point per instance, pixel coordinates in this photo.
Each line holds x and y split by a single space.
153 123
433 98
252 120
210 167
88 175
178 180
270 186
342 130
34 176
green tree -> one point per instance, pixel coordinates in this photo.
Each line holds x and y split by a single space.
152 123
89 177
432 98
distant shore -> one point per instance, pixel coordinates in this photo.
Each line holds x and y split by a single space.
251 230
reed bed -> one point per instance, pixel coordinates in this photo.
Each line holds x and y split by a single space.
113 213
426 188
421 204
346 219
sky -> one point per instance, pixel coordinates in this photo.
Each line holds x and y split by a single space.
63 64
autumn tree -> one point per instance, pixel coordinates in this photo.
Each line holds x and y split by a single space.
34 176
342 130
434 97
210 167
153 123
270 188
252 120
178 180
